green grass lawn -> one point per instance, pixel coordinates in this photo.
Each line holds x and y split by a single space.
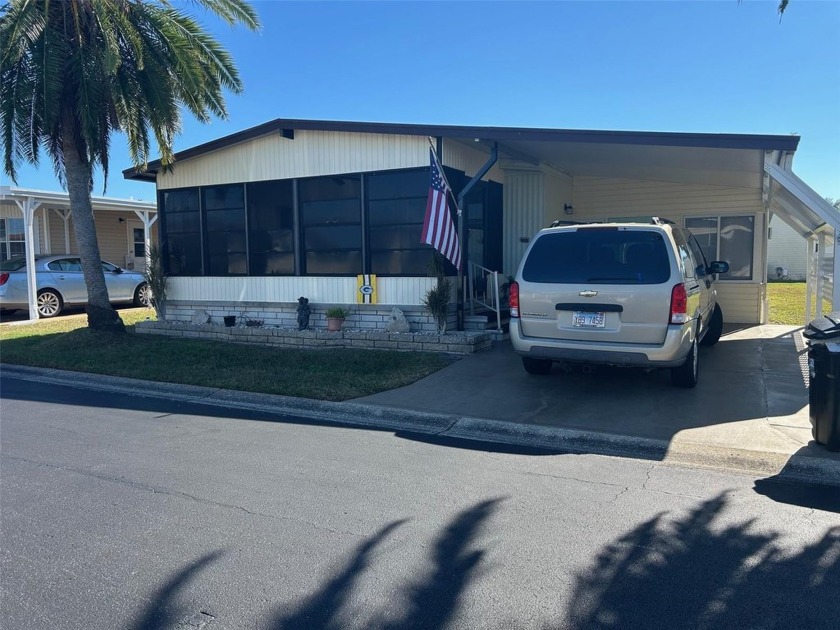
329 374
787 303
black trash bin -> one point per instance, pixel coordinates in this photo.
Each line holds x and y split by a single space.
823 336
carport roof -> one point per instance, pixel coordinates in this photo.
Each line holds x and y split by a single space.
799 205
586 152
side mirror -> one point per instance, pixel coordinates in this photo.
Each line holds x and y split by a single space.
117 270
718 266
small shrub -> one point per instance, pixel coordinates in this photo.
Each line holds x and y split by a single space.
437 302
336 312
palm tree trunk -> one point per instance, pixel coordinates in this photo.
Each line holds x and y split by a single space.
101 315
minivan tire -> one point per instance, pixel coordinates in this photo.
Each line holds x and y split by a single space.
536 366
686 375
714 329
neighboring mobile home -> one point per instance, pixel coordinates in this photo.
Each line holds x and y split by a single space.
124 227
291 208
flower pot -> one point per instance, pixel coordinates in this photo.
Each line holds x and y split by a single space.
334 324
230 320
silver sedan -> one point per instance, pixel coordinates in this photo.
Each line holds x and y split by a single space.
60 283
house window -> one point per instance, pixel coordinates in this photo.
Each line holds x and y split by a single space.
271 228
11 238
224 217
396 204
181 221
331 225
727 238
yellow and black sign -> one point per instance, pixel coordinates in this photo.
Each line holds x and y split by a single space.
366 289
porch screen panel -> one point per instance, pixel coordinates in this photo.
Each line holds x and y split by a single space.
224 215
271 248
331 225
396 210
181 221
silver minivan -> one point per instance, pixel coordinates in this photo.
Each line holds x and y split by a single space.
623 294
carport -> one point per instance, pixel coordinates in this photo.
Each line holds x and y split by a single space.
816 220
58 204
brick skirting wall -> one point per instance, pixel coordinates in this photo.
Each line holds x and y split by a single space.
466 342
284 315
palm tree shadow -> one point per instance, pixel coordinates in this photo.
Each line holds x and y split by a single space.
430 602
162 611
322 609
433 600
699 572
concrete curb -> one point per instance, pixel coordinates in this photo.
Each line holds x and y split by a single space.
688 454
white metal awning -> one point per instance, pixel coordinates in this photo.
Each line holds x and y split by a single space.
802 208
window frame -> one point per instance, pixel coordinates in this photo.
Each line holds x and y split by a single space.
719 256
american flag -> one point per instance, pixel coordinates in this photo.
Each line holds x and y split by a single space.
438 228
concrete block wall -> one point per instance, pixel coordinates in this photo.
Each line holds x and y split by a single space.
465 342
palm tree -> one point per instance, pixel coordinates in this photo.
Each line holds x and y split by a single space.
72 72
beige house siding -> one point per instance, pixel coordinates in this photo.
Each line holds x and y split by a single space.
599 198
464 158
523 214
741 302
310 154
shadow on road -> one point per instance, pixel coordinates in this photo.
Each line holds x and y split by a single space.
162 611
785 490
703 571
429 602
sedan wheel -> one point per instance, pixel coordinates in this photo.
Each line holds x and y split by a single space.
143 296
49 303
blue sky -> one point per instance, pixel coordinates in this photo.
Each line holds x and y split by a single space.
714 66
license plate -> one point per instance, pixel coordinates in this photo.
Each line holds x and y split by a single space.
584 319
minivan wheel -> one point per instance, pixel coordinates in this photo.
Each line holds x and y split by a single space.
536 366
49 303
714 329
686 374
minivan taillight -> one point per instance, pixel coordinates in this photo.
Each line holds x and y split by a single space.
4 278
513 299
679 304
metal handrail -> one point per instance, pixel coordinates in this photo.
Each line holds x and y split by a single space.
491 279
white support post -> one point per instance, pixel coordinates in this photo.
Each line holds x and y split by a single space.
835 278
45 222
28 207
148 222
809 276
820 258
65 216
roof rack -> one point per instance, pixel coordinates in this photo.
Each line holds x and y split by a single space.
660 221
560 222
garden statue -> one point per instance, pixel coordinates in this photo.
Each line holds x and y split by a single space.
303 311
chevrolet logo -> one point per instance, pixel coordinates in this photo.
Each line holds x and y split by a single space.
588 293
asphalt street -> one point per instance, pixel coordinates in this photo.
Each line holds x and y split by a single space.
132 512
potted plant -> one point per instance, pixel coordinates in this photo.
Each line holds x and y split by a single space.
335 318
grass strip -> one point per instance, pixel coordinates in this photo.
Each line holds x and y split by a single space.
323 374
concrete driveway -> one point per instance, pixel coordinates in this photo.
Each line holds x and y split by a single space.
752 396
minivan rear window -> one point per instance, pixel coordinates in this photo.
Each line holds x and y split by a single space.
598 256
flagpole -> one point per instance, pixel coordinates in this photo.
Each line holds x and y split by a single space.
459 231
